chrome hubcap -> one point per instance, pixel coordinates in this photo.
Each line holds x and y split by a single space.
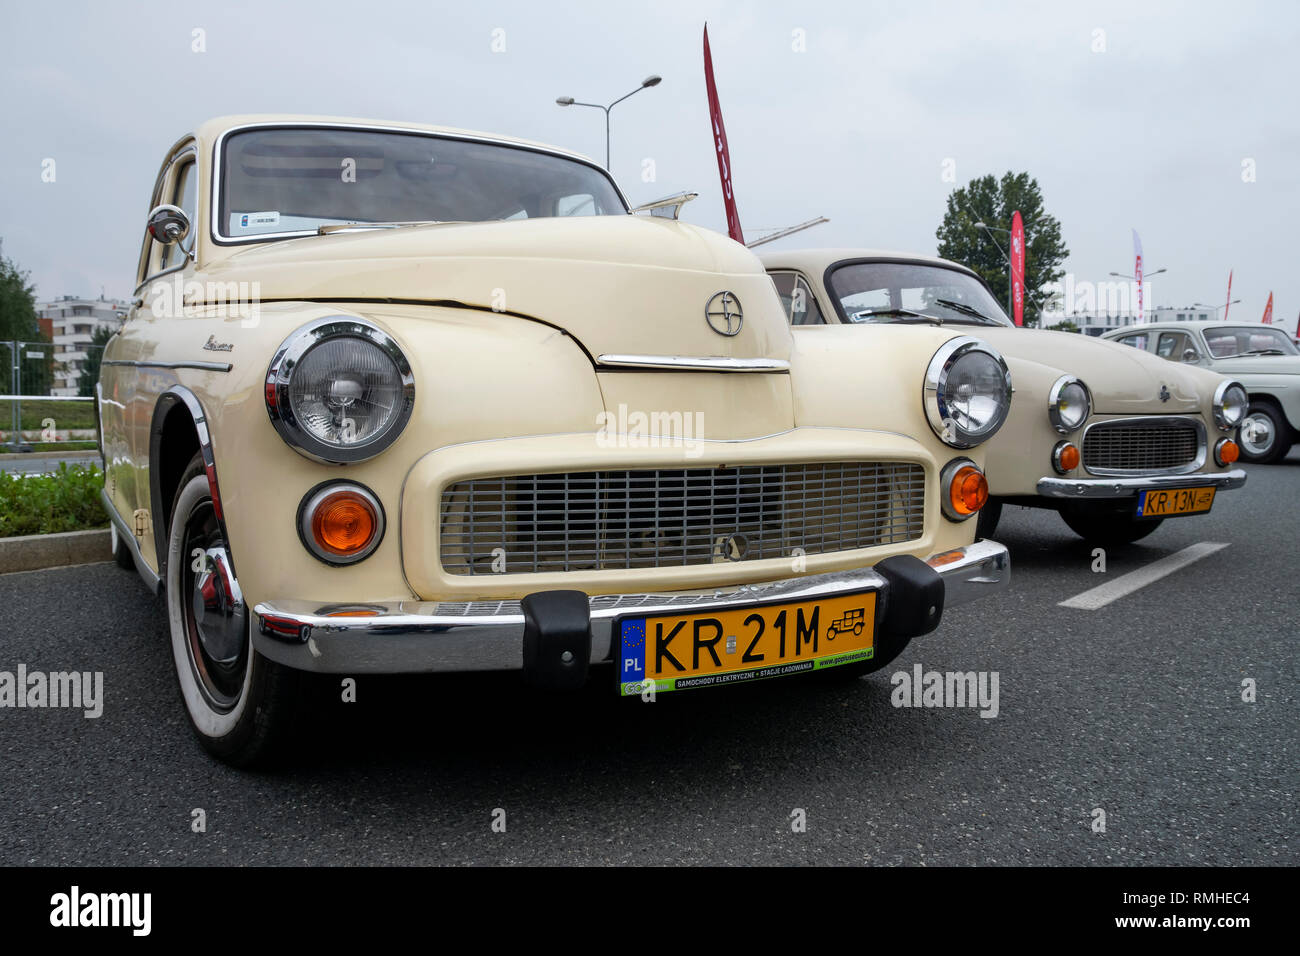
1257 434
216 617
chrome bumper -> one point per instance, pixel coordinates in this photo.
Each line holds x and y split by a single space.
1128 487
425 637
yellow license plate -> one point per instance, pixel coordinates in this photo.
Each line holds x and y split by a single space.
711 648
1171 502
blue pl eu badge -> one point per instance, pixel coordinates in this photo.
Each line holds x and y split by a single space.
632 659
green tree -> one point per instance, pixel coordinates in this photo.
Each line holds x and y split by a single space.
18 320
992 202
94 355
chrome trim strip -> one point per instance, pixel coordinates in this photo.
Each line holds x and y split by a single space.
1157 421
201 366
147 574
215 209
1129 487
695 363
422 637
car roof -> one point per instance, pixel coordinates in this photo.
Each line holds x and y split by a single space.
815 261
1197 324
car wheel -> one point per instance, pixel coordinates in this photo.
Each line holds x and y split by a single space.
986 521
1264 436
240 704
121 550
1108 528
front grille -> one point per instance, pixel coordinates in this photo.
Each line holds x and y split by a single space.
606 520
1141 445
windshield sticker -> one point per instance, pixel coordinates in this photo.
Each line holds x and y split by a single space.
254 220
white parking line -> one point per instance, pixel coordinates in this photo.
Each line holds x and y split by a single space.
1126 584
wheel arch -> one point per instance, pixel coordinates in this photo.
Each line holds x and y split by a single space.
178 430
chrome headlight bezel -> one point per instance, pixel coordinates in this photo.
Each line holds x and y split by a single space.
1220 401
1054 404
935 399
279 377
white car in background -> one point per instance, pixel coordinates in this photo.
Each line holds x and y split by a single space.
1262 358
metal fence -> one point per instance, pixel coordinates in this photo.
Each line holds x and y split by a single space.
41 405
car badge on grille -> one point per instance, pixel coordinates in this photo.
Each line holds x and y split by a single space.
1164 393
724 314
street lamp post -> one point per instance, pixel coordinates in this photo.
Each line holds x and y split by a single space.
1134 278
1011 292
648 82
1216 308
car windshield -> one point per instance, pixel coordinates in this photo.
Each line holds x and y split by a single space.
900 291
1248 340
296 180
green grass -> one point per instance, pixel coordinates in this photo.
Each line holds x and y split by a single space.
44 504
63 445
65 414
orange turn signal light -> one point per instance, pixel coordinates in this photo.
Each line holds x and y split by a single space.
968 491
1065 457
344 523
1226 451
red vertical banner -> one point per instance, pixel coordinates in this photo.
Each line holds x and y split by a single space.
720 145
1018 267
1268 310
1137 270
1228 305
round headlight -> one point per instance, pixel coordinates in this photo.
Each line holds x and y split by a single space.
1068 404
1230 404
339 390
967 392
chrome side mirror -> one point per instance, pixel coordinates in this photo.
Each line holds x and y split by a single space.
1191 355
170 224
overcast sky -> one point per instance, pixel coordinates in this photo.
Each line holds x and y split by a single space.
1150 132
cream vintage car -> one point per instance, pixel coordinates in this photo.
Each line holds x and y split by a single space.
1263 358
396 398
1113 440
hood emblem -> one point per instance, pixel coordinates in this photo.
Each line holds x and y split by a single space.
1164 393
724 314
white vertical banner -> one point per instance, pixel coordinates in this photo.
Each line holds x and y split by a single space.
1137 271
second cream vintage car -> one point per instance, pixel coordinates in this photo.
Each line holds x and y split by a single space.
396 398
1114 440
1262 358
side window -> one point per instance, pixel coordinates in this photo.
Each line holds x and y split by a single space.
1138 341
803 306
797 299
1172 345
183 194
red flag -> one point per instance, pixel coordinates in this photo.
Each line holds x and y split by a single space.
720 144
1229 305
1268 310
1137 270
1018 267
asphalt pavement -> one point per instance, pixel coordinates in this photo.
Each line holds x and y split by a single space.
1134 710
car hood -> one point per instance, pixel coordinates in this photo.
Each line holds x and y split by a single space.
1122 380
618 284
1252 365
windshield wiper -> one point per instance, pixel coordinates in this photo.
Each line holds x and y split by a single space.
900 314
965 309
1264 352
343 226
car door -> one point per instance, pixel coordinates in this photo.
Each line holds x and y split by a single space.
129 384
